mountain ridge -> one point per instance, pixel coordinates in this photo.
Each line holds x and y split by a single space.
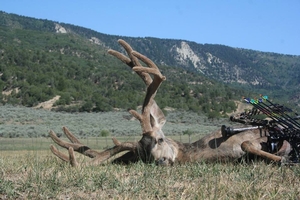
223 63
256 71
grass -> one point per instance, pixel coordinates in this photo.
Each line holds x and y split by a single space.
28 170
39 175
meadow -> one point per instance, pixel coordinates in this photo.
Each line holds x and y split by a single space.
28 170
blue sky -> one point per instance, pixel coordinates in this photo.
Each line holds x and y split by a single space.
263 25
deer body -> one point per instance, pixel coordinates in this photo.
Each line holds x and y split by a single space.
154 146
215 147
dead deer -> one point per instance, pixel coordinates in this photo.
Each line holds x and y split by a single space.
154 146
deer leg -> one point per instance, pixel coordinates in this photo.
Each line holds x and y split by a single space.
248 146
285 149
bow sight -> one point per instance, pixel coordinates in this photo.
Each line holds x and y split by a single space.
281 125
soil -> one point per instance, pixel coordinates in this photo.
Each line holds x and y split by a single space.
48 105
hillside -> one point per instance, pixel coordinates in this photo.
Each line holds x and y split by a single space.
41 59
260 72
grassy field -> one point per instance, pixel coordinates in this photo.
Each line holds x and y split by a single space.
28 170
39 175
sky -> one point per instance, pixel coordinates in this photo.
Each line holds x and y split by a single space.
263 25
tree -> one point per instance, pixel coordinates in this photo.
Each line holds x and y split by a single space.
188 132
87 106
105 133
61 85
213 115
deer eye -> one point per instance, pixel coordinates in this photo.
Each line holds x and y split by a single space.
160 140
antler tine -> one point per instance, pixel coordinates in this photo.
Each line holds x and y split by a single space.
132 61
129 50
145 59
63 143
119 147
58 153
70 136
151 69
79 147
121 57
99 157
70 159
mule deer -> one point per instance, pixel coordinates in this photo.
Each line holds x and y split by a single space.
154 146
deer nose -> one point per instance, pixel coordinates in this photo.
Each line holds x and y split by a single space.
162 161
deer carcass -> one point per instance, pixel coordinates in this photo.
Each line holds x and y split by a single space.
154 146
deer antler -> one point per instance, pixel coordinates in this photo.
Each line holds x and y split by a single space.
152 86
151 118
99 157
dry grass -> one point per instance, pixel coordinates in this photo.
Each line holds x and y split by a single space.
28 170
39 175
